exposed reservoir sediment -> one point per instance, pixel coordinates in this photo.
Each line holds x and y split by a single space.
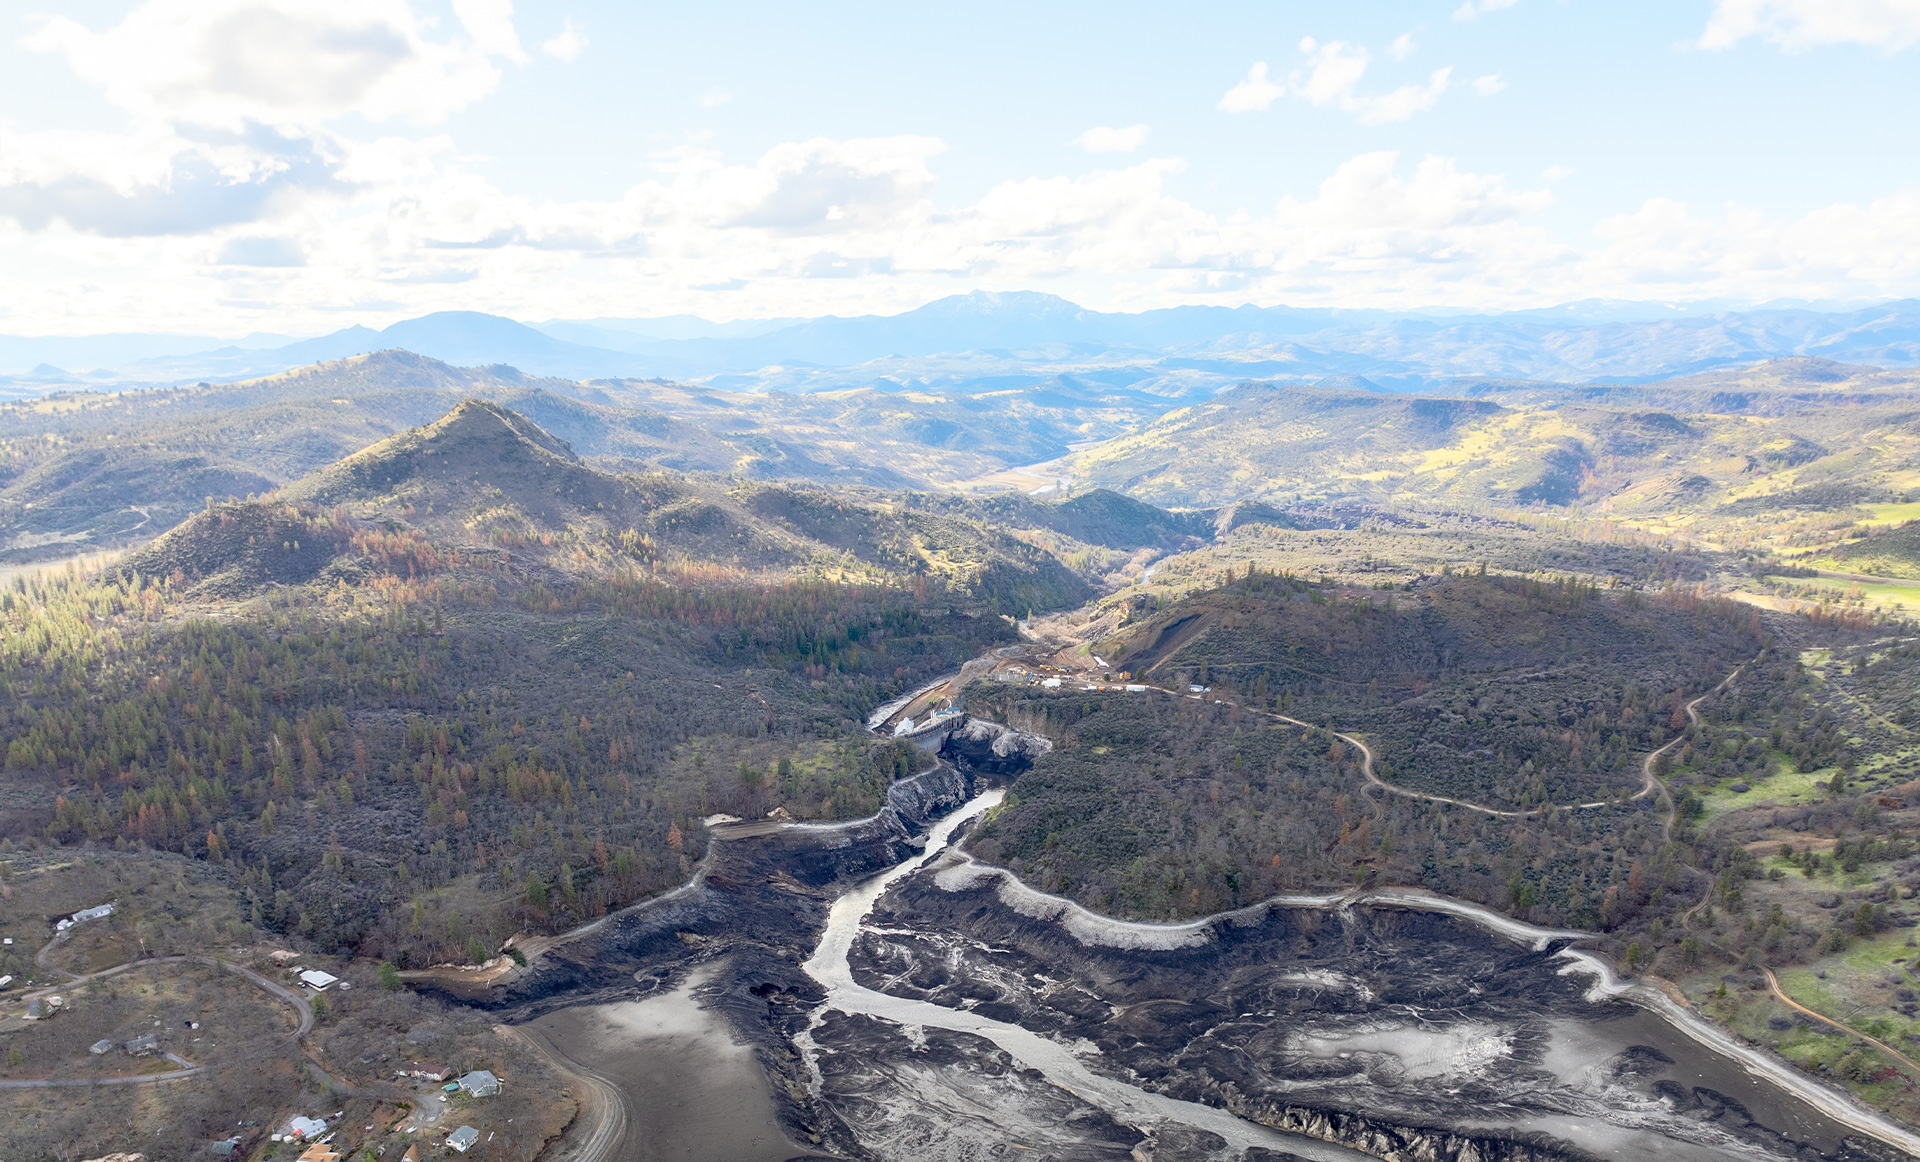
940 1008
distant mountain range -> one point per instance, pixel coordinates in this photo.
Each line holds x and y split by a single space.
974 342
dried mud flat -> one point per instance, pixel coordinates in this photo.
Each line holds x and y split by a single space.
691 1088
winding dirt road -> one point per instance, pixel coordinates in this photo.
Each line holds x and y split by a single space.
1780 994
601 1125
1649 783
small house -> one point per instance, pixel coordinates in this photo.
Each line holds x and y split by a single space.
144 1045
412 1154
480 1083
463 1138
225 1147
426 1071
38 1009
100 1046
303 1127
320 1152
318 981
6 980
98 912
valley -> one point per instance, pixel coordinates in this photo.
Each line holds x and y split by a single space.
1160 814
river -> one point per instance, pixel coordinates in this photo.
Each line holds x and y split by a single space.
1056 1062
942 1010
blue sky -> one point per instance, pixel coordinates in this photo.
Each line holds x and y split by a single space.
231 165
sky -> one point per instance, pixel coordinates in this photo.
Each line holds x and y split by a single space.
228 166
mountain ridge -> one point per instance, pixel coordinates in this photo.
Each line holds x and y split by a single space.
1033 335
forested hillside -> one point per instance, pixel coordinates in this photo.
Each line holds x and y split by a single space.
462 683
1507 691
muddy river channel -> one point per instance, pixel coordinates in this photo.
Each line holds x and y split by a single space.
868 991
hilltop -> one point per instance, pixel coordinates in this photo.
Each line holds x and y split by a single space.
83 471
485 489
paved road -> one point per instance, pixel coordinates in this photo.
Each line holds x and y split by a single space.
293 998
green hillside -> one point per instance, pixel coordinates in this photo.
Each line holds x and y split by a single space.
1764 461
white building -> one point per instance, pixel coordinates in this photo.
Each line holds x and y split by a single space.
318 981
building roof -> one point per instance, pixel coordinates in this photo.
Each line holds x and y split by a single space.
313 978
320 1152
304 1127
480 1081
145 1043
463 1137
100 1046
94 913
429 1070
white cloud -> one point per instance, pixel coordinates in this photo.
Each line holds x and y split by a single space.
1335 71
123 185
1253 95
1799 25
229 103
1474 9
282 62
271 217
490 24
1402 47
1105 139
713 98
1488 85
568 44
849 226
